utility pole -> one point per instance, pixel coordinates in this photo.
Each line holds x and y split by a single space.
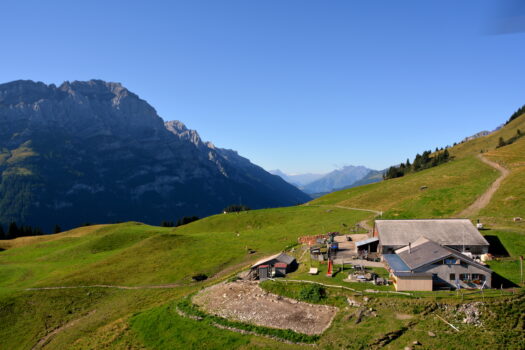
521 268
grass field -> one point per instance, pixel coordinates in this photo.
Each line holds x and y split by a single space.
449 189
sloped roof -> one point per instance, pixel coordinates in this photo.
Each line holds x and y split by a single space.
424 251
395 262
366 241
281 257
442 231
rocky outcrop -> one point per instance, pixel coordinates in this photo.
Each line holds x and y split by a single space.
95 152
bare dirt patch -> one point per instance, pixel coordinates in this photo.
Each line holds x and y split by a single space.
400 316
247 302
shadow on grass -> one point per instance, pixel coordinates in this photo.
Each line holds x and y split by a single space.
496 248
499 281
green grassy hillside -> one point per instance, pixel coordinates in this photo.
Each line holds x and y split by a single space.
153 266
489 142
436 192
134 254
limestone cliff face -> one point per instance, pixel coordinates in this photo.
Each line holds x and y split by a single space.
95 152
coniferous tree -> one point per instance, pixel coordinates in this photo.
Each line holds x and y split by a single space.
57 229
13 231
501 142
2 233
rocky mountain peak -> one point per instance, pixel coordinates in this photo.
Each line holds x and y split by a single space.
92 151
182 132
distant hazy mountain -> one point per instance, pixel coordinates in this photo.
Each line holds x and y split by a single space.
372 177
337 179
475 136
298 180
95 152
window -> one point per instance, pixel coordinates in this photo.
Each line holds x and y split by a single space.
452 277
464 276
451 261
478 277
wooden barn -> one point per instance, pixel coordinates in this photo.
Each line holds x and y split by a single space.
277 265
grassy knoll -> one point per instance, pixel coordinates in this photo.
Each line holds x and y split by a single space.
449 190
489 142
133 254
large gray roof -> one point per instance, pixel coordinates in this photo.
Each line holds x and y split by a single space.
443 231
424 251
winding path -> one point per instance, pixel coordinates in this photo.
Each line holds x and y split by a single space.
485 198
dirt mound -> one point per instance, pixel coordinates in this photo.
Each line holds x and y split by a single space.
247 302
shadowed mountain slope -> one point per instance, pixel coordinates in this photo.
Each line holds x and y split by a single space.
95 152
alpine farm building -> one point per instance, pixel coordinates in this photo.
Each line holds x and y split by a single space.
458 234
424 255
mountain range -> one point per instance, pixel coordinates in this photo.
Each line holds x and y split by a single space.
346 177
298 180
92 151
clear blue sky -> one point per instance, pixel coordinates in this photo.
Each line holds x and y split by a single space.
303 86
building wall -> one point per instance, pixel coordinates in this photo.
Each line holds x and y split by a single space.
413 283
443 272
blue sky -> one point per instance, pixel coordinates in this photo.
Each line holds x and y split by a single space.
303 86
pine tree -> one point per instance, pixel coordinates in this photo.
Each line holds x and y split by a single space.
501 142
13 230
2 233
57 229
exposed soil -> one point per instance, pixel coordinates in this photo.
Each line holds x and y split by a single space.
247 302
485 198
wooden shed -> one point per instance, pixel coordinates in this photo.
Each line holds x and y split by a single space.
277 265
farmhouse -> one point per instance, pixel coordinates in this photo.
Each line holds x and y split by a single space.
277 265
458 234
425 265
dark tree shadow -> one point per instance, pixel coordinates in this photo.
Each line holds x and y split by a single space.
498 281
496 248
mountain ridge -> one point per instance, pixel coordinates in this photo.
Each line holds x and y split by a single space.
95 152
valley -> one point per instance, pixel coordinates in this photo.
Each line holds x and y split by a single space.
120 285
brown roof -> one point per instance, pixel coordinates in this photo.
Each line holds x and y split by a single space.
443 231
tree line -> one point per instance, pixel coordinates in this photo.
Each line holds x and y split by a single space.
182 221
421 162
516 114
15 230
502 142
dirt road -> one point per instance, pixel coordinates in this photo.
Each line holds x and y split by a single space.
485 198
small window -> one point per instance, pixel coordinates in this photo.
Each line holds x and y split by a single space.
464 276
452 277
478 277
450 261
